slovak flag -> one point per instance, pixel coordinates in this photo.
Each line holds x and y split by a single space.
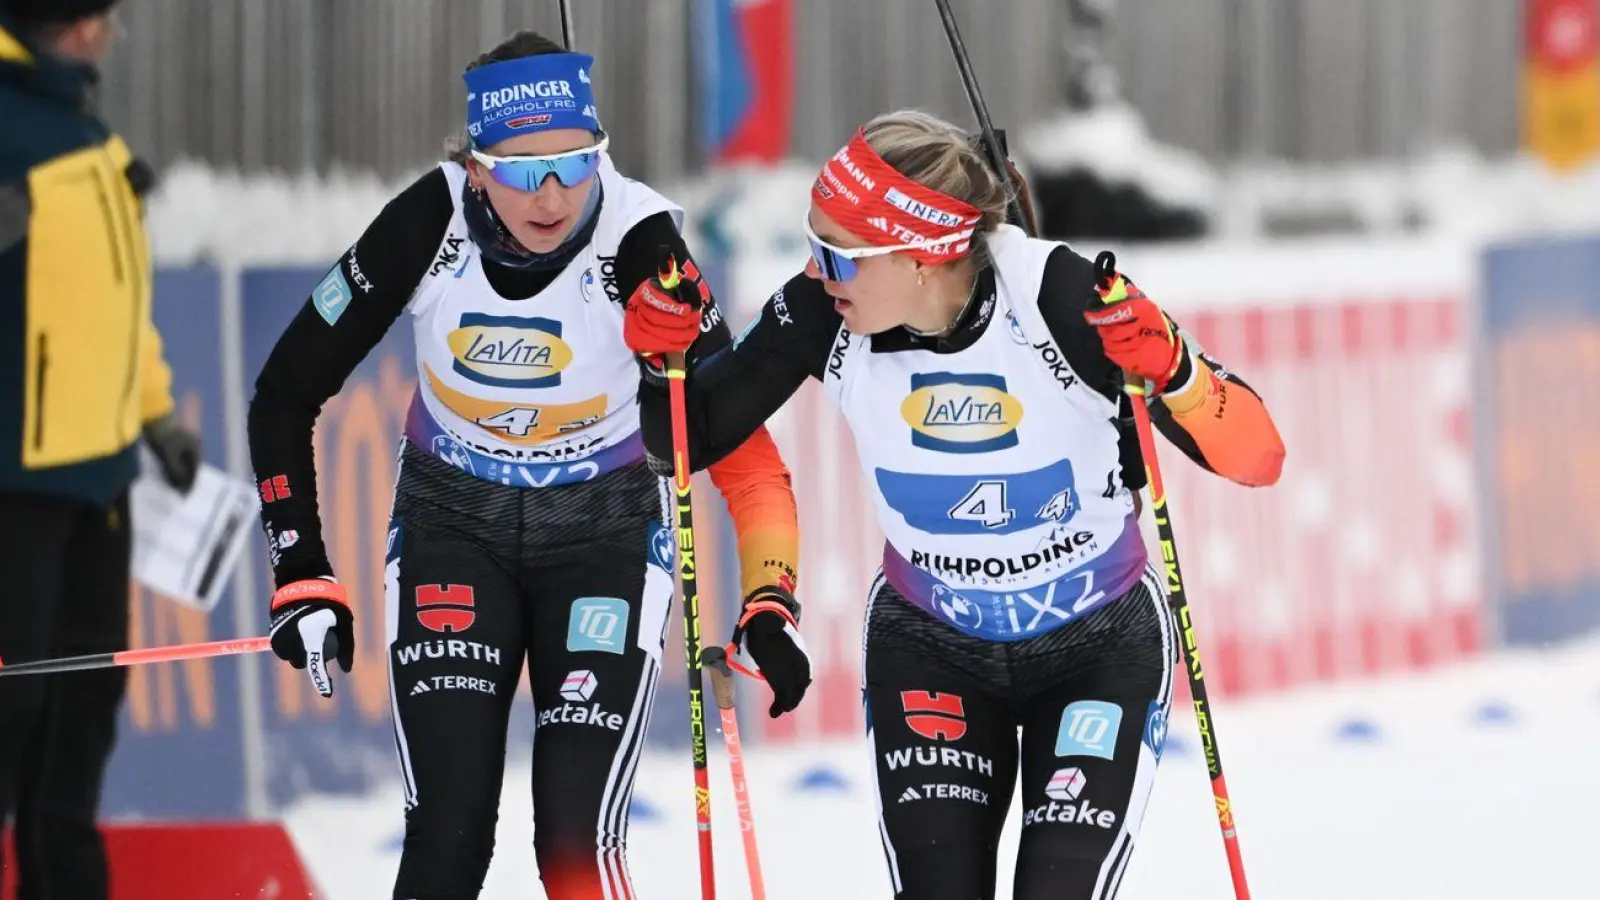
746 78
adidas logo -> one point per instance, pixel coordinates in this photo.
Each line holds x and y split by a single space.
879 223
910 795
420 687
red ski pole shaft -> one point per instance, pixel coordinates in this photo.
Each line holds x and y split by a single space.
173 653
715 660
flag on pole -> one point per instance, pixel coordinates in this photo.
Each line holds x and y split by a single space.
747 79
1561 81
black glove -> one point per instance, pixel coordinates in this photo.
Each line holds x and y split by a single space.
767 644
311 621
177 449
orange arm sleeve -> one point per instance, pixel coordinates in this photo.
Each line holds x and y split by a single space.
756 484
1228 425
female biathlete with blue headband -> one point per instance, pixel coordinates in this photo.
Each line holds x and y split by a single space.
981 374
526 520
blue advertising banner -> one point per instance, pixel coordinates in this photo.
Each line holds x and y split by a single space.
178 740
1539 437
345 743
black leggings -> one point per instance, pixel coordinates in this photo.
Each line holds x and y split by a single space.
576 579
64 564
943 713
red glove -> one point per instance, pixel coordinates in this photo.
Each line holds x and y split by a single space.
658 319
1137 335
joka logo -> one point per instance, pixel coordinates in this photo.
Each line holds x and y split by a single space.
598 623
935 716
1089 728
509 351
445 607
449 255
954 413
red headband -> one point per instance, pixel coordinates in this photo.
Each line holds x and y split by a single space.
881 206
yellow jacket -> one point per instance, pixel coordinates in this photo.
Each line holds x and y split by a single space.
81 368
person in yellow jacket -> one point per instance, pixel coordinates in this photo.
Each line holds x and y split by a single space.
82 379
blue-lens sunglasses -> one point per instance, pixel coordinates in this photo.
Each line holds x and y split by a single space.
526 173
839 263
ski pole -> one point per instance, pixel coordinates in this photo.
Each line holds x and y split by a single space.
173 653
715 660
691 600
566 25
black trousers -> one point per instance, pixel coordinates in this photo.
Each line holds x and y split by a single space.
577 580
944 712
64 565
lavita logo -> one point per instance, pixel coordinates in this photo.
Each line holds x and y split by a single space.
961 413
509 351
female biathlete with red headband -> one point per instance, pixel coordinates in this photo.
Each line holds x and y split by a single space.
526 519
981 374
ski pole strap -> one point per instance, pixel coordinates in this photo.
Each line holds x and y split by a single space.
310 589
774 599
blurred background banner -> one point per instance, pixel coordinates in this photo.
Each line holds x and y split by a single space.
1384 214
1540 358
181 737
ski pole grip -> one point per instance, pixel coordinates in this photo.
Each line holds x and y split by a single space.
715 661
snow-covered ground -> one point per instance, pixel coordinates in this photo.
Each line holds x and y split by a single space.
1473 782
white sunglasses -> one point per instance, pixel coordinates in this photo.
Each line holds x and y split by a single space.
839 263
526 173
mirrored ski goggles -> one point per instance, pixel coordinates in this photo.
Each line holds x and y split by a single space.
526 173
839 263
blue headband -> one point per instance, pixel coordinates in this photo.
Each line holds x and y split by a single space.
533 93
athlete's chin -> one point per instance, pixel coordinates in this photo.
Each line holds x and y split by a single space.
859 322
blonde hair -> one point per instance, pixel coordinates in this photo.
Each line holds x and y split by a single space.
937 154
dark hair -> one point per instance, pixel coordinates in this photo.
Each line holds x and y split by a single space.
519 45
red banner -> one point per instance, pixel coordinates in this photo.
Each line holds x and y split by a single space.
196 860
